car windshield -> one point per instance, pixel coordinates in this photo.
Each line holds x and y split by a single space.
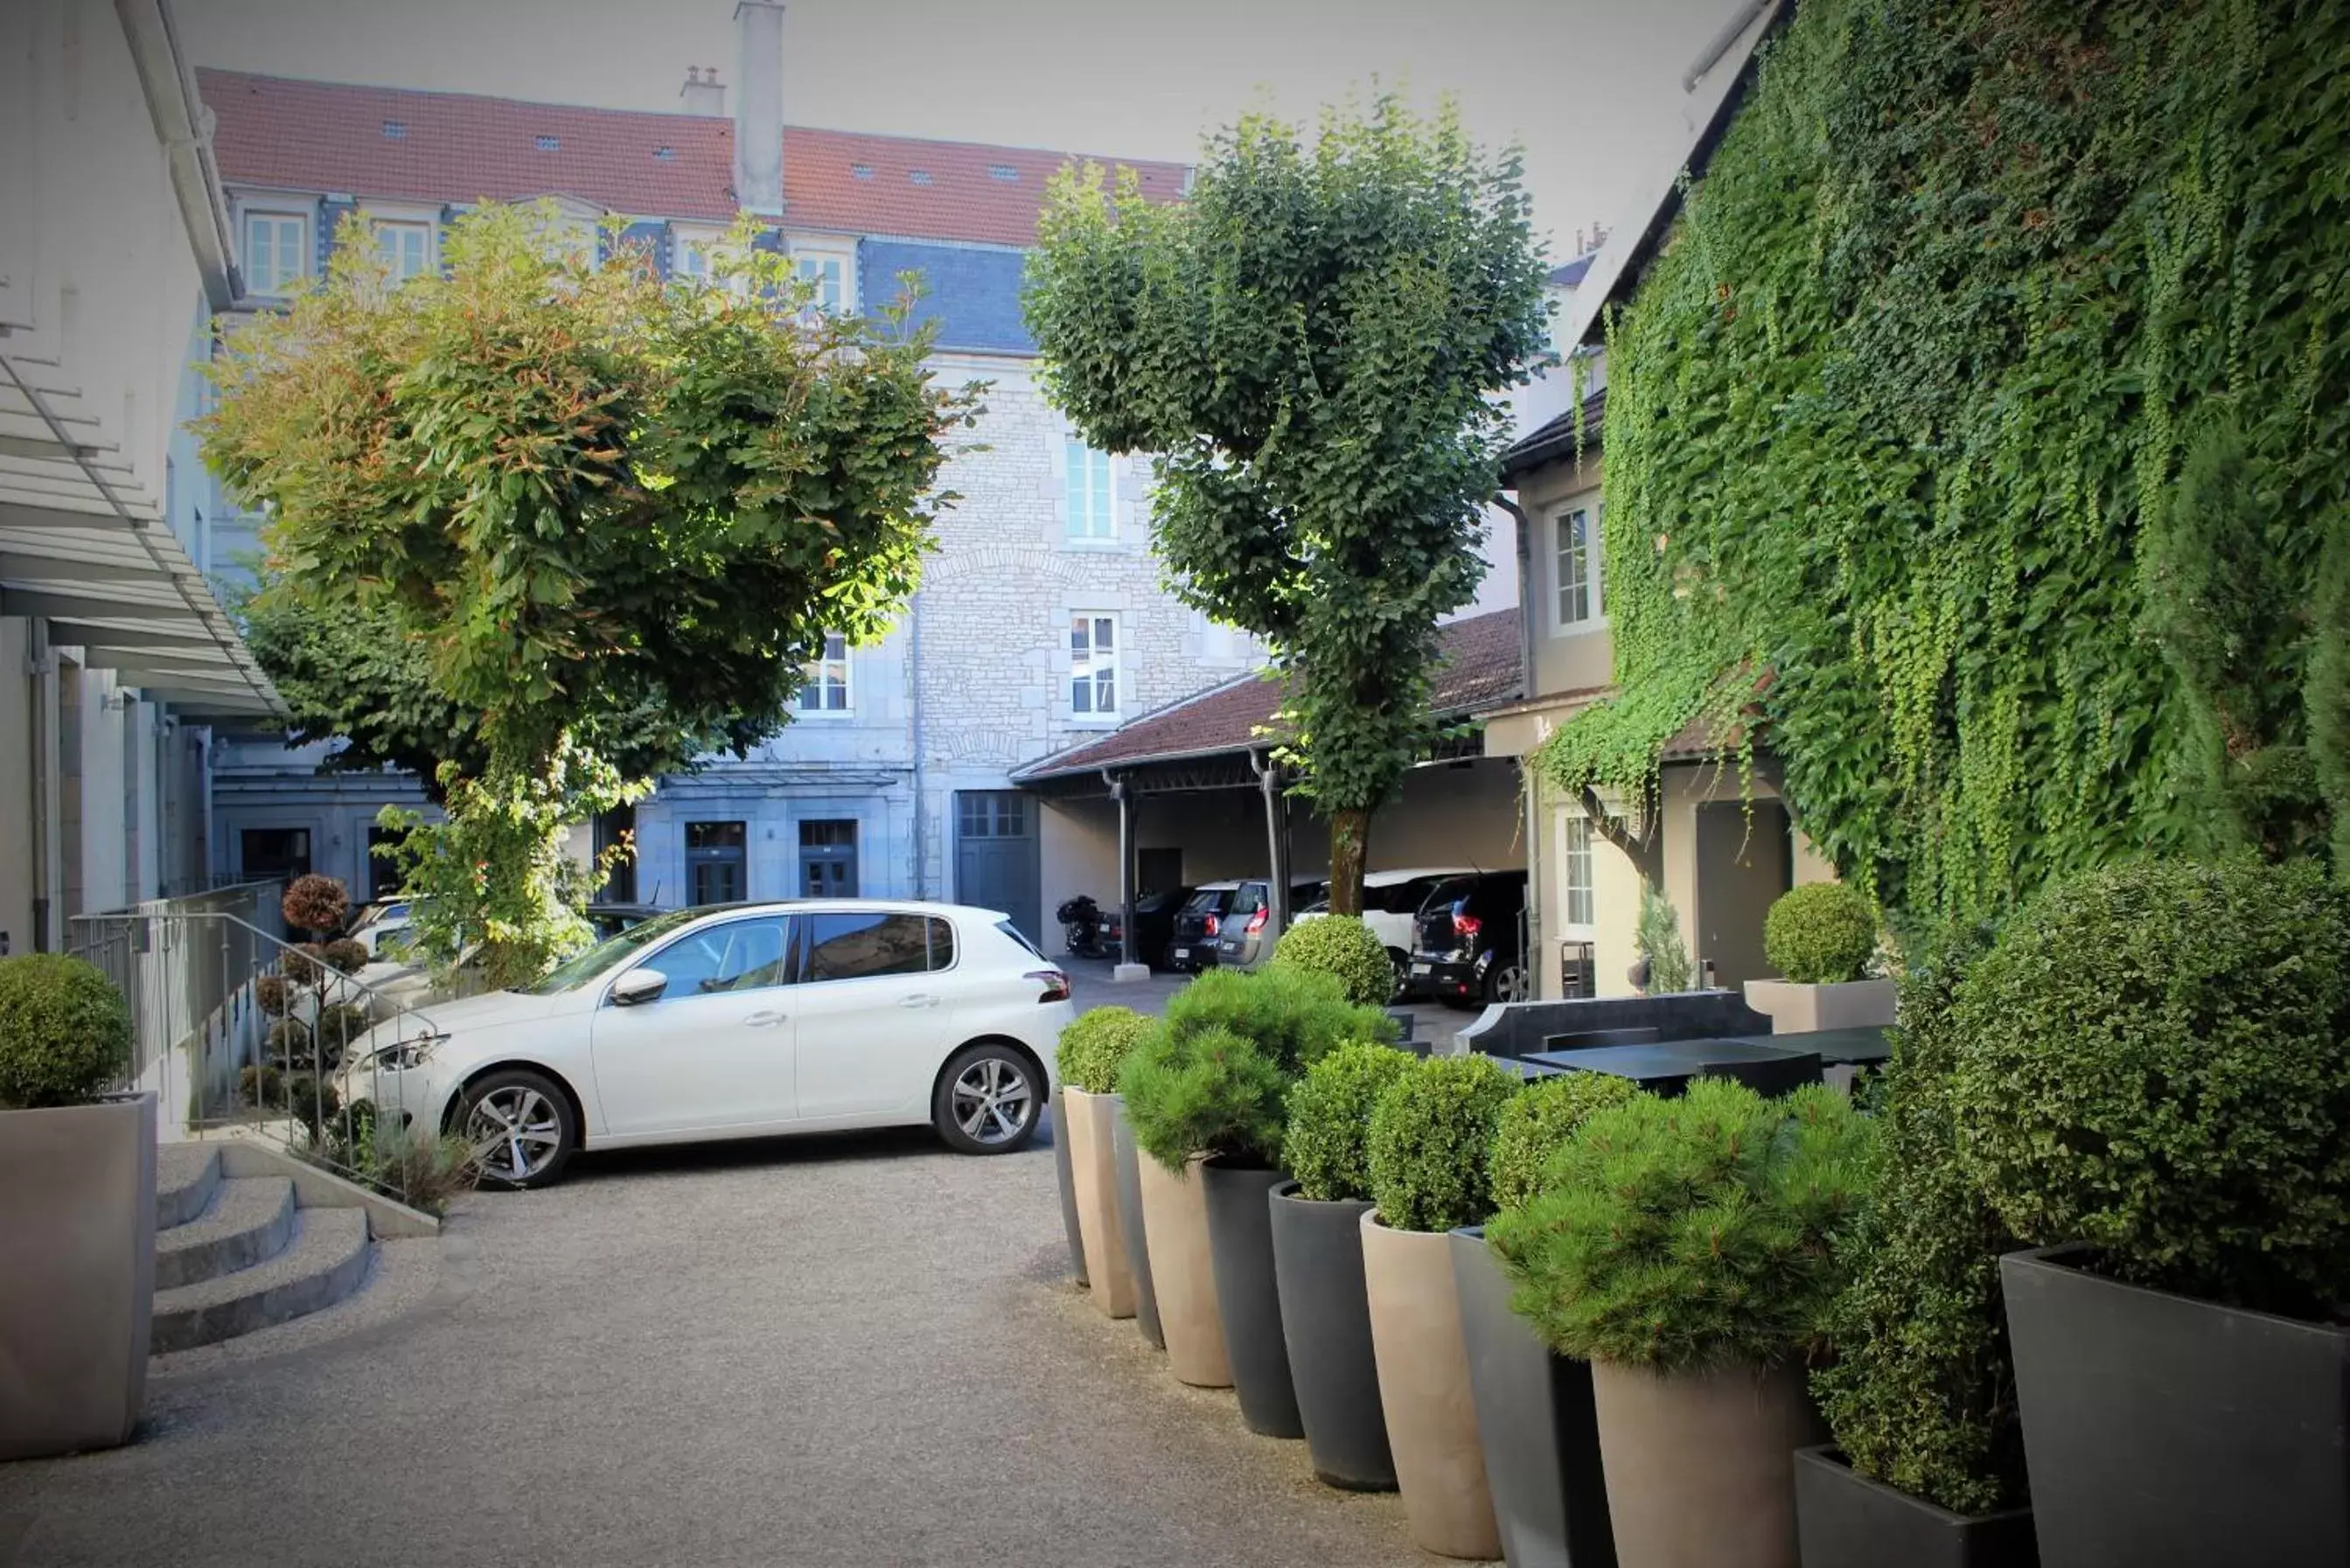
581 969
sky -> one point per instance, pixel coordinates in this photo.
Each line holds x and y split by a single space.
1590 87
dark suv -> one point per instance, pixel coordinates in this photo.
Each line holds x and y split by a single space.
1471 945
1192 945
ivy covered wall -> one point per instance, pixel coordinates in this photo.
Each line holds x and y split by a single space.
1928 347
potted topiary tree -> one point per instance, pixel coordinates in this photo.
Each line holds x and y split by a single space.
1090 1050
2151 1084
1535 1415
1820 938
1926 1469
1432 1131
1317 1264
1684 1248
1344 948
1290 1017
77 1212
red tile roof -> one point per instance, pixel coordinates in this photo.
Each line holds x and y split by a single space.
1479 661
455 147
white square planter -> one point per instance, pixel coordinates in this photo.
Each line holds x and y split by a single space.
78 1288
1800 1009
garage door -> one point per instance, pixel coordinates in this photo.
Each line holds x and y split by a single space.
997 863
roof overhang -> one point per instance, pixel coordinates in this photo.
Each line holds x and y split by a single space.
85 548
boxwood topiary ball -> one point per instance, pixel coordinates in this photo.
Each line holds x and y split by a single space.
1094 1043
1432 1132
2151 1060
1536 1121
1821 933
1341 945
1330 1120
64 1033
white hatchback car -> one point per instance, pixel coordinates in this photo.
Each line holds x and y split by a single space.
738 1021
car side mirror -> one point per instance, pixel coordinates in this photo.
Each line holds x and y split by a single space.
639 986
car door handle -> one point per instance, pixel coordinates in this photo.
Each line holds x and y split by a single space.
763 1017
917 1001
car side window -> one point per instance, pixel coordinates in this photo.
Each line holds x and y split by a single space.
739 955
859 944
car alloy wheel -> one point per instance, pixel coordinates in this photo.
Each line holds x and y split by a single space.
1508 983
515 1127
987 1100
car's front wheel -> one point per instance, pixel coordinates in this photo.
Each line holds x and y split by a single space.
1508 982
987 1100
520 1127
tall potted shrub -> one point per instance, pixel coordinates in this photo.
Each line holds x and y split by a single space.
1927 1467
1430 1133
1317 1264
2151 1084
1291 1017
1534 1414
1090 1050
1820 938
77 1212
1347 949
1684 1247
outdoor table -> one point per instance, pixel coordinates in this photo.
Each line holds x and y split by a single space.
1667 1066
1863 1047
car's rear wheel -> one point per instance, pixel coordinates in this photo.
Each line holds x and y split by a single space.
1507 982
987 1100
520 1127
1401 962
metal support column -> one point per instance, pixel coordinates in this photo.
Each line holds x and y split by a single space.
1276 835
1123 794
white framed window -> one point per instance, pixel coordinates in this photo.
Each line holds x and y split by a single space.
1574 869
1089 505
827 693
1093 665
1577 567
276 252
404 248
830 275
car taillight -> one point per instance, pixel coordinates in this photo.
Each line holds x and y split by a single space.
1256 922
1056 984
1212 924
1466 927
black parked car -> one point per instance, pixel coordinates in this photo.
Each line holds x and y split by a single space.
1199 922
1154 923
1471 947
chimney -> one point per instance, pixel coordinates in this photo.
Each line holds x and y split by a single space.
759 108
701 94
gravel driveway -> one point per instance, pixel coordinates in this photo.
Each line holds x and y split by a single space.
829 1351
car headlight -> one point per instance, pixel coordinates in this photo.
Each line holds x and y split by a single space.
404 1055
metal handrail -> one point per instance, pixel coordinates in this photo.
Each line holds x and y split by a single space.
205 1043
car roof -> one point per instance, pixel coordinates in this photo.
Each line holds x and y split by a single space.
1389 878
848 906
1225 886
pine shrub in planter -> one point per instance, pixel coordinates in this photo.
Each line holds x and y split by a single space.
1343 947
65 1032
1685 1247
1293 1016
1202 1093
1535 1122
1920 1394
2150 1065
1329 1121
1094 1044
1821 933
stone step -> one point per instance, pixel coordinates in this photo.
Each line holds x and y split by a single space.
186 1175
250 1220
326 1260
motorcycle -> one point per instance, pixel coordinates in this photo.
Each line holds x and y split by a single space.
1088 930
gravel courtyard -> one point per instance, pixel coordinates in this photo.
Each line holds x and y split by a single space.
828 1351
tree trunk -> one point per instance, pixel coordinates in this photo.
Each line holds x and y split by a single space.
1351 844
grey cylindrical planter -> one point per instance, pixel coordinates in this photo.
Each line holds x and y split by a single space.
1848 1521
1317 1261
1069 1188
2161 1431
1130 1222
1239 1234
78 1288
1534 1417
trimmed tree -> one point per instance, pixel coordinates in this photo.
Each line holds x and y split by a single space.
1311 348
580 494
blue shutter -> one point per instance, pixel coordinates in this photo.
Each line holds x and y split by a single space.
330 224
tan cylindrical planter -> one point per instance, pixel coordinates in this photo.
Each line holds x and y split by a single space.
1184 1274
1701 1465
1431 1411
1093 1169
